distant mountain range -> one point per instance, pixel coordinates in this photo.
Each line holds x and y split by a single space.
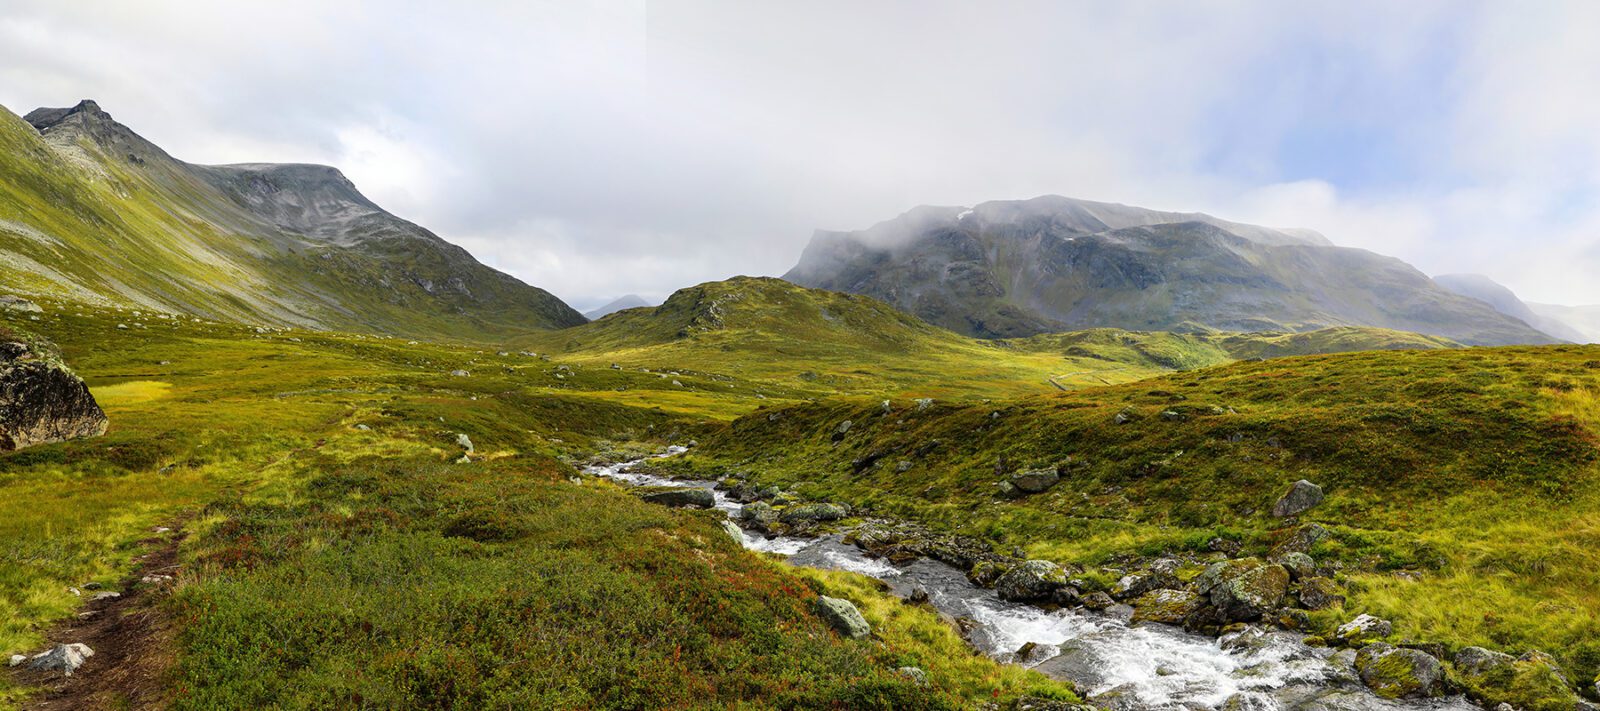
631 301
1016 268
1585 320
1505 301
92 212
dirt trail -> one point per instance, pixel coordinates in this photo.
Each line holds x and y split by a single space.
131 639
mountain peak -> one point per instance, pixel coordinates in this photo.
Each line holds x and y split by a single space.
44 118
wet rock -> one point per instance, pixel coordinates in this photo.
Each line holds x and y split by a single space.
1245 589
64 658
986 573
1097 601
1122 698
1035 481
1248 701
1396 673
1030 653
919 596
1169 607
1030 581
733 531
1301 497
41 401
759 514
1034 703
1362 629
843 616
678 496
1080 661
813 513
1161 574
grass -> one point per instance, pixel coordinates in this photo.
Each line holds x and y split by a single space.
330 565
1475 469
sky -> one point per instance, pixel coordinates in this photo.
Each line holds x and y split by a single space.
599 149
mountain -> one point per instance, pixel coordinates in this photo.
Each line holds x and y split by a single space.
1017 268
1491 292
92 212
1583 320
631 301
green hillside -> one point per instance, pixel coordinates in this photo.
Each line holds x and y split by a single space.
1463 485
91 212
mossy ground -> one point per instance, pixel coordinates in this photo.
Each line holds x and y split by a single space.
338 556
1463 487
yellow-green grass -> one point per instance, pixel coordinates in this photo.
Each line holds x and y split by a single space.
1475 470
333 565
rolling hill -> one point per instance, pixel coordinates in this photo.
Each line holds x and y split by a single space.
1018 268
91 212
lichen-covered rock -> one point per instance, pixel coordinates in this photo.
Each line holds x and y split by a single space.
758 515
41 401
678 496
1301 496
1030 581
1161 575
1364 628
1035 481
1319 594
1533 682
1245 589
843 617
1299 565
1097 601
1395 673
1301 540
1169 607
986 573
813 513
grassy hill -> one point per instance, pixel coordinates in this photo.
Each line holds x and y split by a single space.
1463 485
91 212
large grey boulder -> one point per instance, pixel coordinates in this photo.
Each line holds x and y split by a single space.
1030 580
843 617
1302 495
41 401
1245 589
64 658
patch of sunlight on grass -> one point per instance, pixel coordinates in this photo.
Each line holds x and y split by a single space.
130 393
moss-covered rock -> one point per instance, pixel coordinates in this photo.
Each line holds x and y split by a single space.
1245 589
1533 682
1362 630
41 401
806 513
1032 580
1170 607
1319 593
1395 673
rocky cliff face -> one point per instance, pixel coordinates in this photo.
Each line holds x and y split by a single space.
1017 268
41 401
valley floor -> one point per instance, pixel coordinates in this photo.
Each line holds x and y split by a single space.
362 521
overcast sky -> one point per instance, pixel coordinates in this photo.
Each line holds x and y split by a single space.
606 148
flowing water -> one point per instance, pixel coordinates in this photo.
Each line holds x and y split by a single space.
1143 666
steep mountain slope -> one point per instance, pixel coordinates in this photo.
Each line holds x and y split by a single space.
1493 293
631 301
1016 268
1585 320
92 212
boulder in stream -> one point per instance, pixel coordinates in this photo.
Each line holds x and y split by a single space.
811 513
1245 589
678 496
1030 581
1397 673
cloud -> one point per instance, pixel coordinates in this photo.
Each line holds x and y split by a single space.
597 149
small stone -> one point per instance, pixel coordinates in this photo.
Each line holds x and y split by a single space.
363 428
1035 481
64 658
103 596
1302 495
17 659
1363 628
914 674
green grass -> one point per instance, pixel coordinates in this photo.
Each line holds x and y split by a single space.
1476 468
334 566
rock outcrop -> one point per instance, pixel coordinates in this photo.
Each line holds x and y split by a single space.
41 400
